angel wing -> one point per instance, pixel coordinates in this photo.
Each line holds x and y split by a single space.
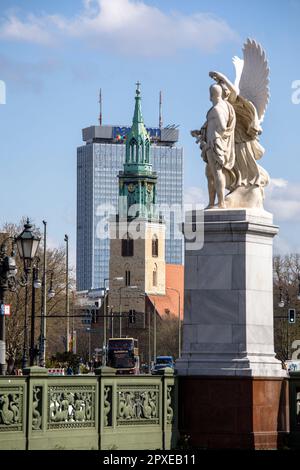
238 64
252 76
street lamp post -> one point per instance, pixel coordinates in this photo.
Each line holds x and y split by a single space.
298 294
154 332
284 299
8 272
104 326
154 328
111 321
36 284
90 352
27 244
120 311
179 320
66 239
149 341
120 304
149 323
149 320
107 279
43 330
25 340
74 348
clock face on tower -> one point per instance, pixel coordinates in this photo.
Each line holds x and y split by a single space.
131 187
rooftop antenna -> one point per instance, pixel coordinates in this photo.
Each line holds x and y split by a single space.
100 103
160 123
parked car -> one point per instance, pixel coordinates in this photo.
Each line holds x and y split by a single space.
162 362
292 365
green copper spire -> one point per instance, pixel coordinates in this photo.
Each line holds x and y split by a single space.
138 141
137 117
137 183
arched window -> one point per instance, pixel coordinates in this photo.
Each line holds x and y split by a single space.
127 278
127 246
132 148
132 316
147 151
127 275
154 246
154 274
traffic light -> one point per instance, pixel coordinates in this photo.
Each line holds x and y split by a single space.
292 315
96 311
87 320
132 316
94 315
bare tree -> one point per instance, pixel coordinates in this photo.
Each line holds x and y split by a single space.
286 292
56 327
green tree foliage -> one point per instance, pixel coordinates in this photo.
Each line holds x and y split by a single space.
64 359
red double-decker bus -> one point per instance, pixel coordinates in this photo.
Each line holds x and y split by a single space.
123 355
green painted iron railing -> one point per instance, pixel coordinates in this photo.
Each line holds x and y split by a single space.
101 411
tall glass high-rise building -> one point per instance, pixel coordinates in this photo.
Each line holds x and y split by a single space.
98 164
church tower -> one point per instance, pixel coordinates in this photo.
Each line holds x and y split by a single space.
137 236
137 183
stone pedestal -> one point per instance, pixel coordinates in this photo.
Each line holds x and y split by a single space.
228 314
228 362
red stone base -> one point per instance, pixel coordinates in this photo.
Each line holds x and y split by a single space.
233 412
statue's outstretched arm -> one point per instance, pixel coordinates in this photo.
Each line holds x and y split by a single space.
220 78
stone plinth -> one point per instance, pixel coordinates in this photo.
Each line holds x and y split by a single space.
228 317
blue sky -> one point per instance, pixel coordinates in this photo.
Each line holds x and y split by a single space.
54 57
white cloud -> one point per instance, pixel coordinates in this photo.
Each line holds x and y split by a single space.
32 30
277 183
126 26
283 200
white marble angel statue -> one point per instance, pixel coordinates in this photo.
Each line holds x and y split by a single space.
217 144
249 96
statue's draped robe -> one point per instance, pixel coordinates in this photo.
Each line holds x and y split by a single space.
223 147
247 147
